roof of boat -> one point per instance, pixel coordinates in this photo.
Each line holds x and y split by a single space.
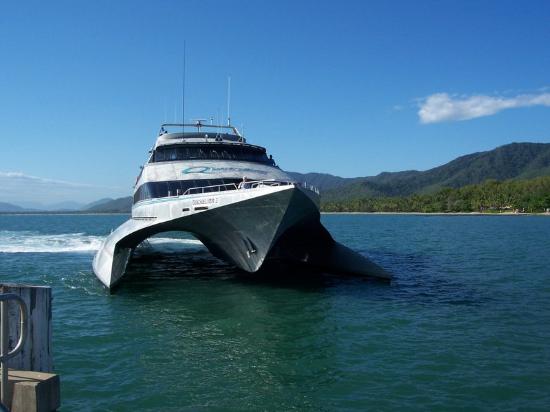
198 133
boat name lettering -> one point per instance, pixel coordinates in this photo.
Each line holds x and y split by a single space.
206 201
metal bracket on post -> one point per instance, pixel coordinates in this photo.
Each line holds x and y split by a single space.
5 353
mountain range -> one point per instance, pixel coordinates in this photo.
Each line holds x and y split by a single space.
512 161
105 205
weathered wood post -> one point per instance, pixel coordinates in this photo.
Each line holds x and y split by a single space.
36 354
5 351
31 386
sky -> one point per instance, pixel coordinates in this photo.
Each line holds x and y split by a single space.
351 88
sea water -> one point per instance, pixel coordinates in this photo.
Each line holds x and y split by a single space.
465 324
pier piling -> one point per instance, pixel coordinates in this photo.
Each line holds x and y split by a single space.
29 383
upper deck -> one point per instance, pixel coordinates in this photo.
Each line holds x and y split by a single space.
177 133
205 142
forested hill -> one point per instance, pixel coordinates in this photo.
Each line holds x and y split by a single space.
512 161
493 196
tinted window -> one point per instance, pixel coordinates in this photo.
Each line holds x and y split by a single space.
222 152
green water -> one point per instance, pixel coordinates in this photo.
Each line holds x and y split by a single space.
465 325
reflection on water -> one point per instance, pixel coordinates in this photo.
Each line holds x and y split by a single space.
163 259
238 323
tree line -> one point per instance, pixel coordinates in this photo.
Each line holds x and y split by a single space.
492 196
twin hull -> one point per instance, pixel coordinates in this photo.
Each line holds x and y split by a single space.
243 227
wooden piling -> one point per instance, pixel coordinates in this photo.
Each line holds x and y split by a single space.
36 354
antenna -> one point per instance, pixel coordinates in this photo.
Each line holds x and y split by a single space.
183 93
218 120
228 100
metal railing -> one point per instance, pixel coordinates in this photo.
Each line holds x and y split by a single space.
208 189
245 185
200 125
5 353
253 184
261 183
311 188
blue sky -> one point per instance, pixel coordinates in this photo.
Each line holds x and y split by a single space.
348 88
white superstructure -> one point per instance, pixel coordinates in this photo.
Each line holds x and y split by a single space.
231 196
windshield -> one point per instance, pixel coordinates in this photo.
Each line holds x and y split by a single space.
214 152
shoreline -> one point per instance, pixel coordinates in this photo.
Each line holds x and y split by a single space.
323 213
437 213
62 213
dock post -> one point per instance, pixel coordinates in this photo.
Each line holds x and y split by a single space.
31 387
36 354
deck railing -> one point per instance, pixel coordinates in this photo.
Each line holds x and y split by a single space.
246 185
208 189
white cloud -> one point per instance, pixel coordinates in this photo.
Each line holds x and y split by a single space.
441 107
18 176
19 187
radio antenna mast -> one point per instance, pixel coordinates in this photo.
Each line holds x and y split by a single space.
228 100
183 93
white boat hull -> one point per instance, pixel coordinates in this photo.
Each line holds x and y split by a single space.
244 227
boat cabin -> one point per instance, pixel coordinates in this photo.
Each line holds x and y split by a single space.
206 145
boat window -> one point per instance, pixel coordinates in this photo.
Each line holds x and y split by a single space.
153 190
225 152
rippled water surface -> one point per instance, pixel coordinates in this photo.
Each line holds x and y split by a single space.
465 324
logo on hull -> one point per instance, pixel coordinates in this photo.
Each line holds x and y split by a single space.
210 170
198 169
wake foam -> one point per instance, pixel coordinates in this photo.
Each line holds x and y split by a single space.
34 242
